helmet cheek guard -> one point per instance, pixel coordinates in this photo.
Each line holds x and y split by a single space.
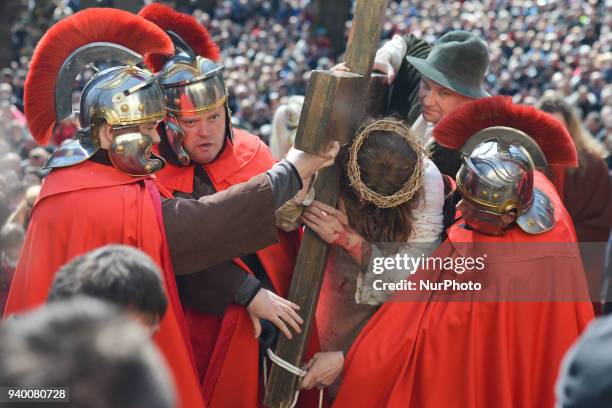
131 154
176 136
192 85
123 97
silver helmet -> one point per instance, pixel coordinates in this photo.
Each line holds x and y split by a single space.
191 85
497 177
124 97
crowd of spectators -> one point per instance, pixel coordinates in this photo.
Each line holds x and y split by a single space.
269 48
535 46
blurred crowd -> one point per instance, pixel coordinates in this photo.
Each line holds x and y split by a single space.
270 46
535 46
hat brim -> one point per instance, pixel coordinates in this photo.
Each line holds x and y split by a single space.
445 80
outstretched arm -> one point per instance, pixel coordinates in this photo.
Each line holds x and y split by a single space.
228 224
239 220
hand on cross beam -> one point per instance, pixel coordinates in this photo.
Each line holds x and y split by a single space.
332 226
382 64
307 164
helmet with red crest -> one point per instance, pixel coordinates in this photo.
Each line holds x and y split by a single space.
501 145
192 82
123 95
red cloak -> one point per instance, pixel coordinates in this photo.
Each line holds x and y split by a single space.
84 207
225 347
471 354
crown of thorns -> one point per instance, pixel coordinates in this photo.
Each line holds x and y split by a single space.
409 189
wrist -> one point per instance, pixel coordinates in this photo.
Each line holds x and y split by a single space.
354 239
348 239
298 166
255 292
383 55
353 244
248 290
296 173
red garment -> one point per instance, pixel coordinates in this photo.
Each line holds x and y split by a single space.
87 206
587 195
65 130
225 346
471 354
558 179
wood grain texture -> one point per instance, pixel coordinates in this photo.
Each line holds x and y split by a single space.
304 291
334 107
365 35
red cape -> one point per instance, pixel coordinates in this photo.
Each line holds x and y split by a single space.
470 354
84 207
224 347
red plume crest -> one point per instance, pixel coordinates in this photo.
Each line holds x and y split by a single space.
550 134
87 26
186 26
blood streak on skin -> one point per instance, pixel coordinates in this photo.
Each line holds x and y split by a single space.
350 241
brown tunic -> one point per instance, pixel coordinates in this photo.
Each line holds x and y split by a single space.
587 195
233 223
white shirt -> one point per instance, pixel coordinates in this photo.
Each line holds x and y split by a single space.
425 237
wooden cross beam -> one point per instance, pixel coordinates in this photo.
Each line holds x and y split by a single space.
334 107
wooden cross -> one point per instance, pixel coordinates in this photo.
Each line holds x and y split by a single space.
334 107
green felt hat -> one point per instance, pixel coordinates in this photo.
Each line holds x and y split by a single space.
457 61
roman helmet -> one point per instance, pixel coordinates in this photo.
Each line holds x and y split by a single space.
192 82
119 93
501 145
